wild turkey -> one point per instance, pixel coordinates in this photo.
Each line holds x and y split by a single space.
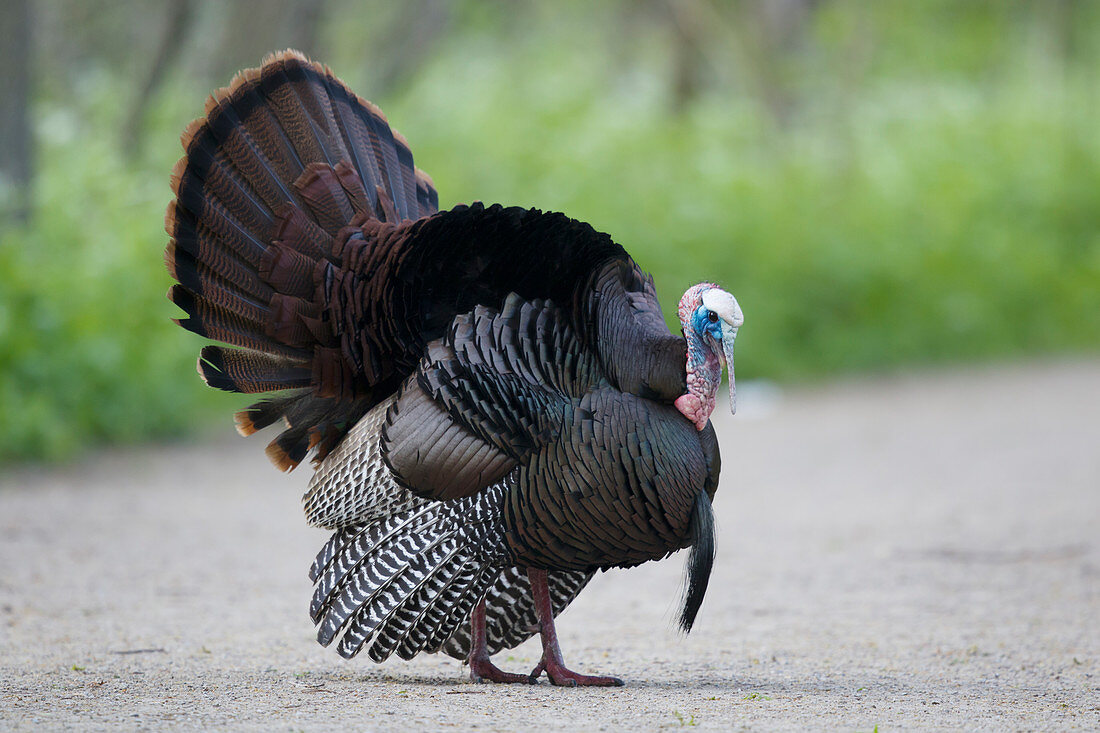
493 402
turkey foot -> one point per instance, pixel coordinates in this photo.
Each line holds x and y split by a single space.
552 662
481 668
561 676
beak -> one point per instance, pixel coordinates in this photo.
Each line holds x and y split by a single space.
728 335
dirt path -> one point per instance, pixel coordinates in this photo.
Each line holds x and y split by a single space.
912 553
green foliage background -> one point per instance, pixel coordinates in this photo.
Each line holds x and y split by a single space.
939 204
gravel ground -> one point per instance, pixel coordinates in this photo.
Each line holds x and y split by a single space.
913 553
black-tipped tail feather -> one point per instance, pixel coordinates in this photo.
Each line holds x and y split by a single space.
700 561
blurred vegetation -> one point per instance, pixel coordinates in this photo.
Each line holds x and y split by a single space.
880 184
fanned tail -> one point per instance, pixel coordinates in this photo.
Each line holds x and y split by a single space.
405 583
286 166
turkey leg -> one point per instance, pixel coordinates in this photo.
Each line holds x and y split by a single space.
552 662
481 669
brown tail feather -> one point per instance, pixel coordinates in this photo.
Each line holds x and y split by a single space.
300 233
225 183
266 412
325 196
225 272
235 370
221 297
215 226
257 148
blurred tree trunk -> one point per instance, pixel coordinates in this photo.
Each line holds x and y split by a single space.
272 25
689 30
177 25
774 33
409 43
304 21
16 140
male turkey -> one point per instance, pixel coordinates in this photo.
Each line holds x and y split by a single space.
495 406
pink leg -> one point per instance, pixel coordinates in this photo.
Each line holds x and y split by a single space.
481 669
552 662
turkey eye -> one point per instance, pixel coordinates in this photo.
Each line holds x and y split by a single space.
712 317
